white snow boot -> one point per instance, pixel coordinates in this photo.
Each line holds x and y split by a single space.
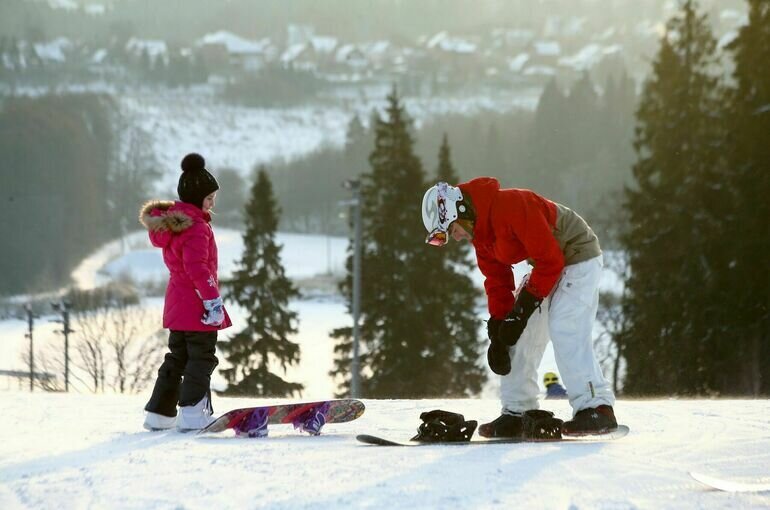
194 417
155 421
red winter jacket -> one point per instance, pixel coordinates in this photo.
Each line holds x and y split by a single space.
190 252
513 225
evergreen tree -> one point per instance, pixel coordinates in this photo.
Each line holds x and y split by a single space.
748 285
583 121
671 339
401 355
549 140
53 186
455 323
261 287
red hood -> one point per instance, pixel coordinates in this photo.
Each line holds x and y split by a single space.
482 192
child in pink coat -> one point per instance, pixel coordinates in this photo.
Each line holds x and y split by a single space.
193 310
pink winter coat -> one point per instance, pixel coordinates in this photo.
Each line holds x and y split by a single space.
190 252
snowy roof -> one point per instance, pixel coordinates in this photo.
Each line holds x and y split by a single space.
323 44
95 9
516 64
647 27
514 35
292 52
445 42
606 34
547 48
234 44
727 38
588 56
349 53
68 5
53 50
99 56
153 48
733 16
376 47
540 70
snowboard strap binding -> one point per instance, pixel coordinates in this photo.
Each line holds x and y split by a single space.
540 424
444 426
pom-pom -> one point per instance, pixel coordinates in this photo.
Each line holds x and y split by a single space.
193 163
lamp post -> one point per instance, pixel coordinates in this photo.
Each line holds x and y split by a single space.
354 185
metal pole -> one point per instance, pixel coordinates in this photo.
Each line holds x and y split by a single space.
30 320
67 331
64 308
355 381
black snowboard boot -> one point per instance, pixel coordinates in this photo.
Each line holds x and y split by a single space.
593 420
506 425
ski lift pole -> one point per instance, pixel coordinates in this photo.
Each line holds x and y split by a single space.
64 308
30 326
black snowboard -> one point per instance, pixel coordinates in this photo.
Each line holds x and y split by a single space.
621 431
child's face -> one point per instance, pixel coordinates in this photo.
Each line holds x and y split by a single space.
208 202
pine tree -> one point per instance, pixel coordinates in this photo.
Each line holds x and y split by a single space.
455 324
748 285
670 342
261 287
549 140
400 355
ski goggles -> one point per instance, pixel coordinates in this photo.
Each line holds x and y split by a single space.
549 380
437 237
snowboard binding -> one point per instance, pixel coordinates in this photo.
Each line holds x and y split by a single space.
254 424
312 420
540 424
444 426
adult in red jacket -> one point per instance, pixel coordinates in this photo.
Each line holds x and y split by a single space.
557 300
193 309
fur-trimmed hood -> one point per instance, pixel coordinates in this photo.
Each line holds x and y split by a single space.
183 232
156 217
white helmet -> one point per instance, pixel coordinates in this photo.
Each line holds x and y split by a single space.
439 210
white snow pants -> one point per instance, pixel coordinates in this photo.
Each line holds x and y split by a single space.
566 316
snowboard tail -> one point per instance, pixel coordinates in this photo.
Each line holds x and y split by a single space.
338 411
730 485
618 433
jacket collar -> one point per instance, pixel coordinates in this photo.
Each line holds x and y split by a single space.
482 191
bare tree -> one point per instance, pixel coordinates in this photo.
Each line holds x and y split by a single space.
90 328
145 361
607 344
120 344
44 370
134 346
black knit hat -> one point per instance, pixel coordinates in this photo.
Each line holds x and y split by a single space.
195 183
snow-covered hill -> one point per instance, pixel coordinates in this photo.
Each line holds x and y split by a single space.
242 137
82 451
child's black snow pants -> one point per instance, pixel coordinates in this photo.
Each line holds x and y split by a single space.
185 374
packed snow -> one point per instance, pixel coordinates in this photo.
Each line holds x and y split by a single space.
81 450
67 451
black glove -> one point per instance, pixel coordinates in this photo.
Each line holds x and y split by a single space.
513 326
493 329
498 358
497 354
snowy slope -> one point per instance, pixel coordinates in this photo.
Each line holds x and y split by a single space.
81 451
242 137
